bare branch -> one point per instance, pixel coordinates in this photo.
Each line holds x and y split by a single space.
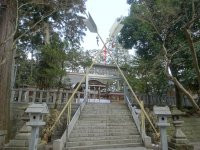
29 4
175 81
193 10
42 18
178 50
193 52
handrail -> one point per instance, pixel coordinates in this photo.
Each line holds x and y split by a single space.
59 144
134 115
139 120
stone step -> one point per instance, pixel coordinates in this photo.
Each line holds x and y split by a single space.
102 142
104 146
104 130
120 108
104 121
95 134
131 127
128 116
22 136
105 124
106 112
104 138
25 129
18 143
15 148
105 117
105 108
104 104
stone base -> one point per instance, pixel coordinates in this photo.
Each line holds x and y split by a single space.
175 146
2 137
180 141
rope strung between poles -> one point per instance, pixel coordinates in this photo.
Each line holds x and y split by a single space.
73 94
134 95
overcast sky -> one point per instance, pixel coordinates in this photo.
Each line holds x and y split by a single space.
104 13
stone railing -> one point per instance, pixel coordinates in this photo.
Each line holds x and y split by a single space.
139 120
162 100
27 95
60 143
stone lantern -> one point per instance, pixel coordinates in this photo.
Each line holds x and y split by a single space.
36 113
179 140
162 113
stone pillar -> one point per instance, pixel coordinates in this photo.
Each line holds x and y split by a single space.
34 138
26 97
86 87
54 97
162 113
20 95
179 141
125 91
41 94
78 97
13 95
36 113
118 85
99 93
66 98
34 95
60 97
47 98
2 138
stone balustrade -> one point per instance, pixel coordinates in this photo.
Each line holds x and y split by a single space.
27 95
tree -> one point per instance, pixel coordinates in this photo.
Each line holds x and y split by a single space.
154 28
22 23
8 18
51 67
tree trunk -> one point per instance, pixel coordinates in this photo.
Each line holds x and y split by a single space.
176 82
47 33
193 53
174 72
7 28
178 98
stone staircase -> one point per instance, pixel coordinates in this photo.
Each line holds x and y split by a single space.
20 142
63 123
103 126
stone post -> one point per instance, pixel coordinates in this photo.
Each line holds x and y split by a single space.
60 96
162 113
125 91
79 95
2 138
179 141
36 112
86 87
20 95
26 97
41 95
13 95
34 94
47 97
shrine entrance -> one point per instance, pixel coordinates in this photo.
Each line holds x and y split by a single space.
103 84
